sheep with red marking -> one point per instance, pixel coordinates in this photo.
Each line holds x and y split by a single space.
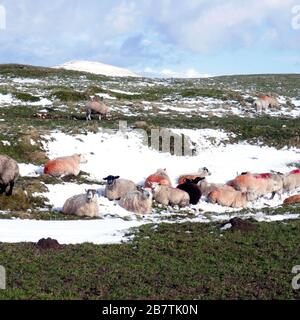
259 184
160 176
65 166
202 172
291 180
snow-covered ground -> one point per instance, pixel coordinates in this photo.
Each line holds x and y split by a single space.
97 68
126 155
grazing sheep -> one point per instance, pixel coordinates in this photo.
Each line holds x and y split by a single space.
265 102
9 173
291 180
259 184
160 176
230 198
206 188
96 106
292 199
117 188
202 172
139 201
65 166
191 187
83 205
170 196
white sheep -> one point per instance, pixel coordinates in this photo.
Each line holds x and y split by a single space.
117 188
170 196
83 205
9 173
96 106
206 188
139 201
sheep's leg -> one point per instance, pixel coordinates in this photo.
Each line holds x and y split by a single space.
100 117
88 116
11 187
273 195
2 188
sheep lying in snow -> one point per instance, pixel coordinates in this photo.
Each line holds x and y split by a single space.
230 198
206 188
9 173
83 205
139 201
291 180
190 186
96 106
170 196
117 188
259 184
202 172
65 166
160 176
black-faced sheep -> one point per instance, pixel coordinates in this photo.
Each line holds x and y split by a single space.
191 187
9 173
139 201
83 205
170 196
117 188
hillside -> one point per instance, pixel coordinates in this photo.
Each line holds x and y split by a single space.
97 68
42 117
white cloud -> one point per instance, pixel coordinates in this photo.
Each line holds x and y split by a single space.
123 17
169 73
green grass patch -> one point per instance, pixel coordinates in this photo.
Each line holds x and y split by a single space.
173 261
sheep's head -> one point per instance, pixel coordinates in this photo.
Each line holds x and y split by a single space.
155 186
161 171
90 194
111 180
145 192
82 158
204 172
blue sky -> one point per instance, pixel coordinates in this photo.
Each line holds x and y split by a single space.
159 37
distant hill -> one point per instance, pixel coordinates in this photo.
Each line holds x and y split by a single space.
97 68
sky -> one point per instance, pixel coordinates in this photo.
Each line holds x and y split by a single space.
168 38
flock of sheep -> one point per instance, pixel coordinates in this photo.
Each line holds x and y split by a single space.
191 187
158 187
97 106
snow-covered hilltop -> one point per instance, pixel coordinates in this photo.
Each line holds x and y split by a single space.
97 68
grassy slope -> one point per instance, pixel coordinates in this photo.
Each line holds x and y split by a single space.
186 261
171 263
